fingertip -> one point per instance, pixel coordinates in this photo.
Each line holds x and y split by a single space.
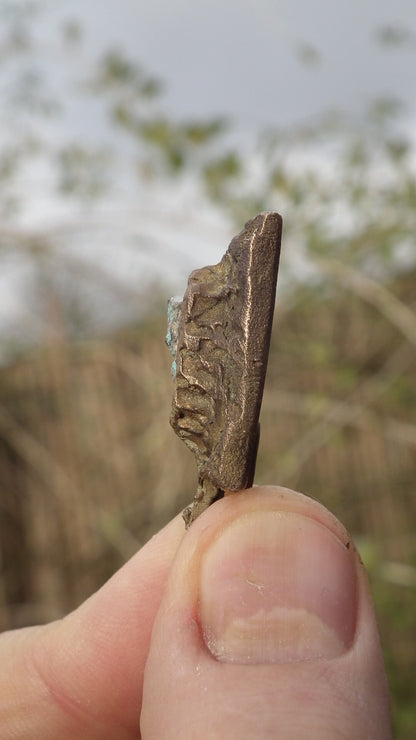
267 603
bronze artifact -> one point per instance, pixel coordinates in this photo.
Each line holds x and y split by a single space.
219 335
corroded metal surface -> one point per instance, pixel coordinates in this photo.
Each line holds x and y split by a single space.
220 335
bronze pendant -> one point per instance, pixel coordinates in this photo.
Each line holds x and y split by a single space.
220 335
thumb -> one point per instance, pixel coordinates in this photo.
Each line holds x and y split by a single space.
266 628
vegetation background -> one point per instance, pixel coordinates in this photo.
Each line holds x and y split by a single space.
89 467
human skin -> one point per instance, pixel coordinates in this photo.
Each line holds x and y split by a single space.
256 622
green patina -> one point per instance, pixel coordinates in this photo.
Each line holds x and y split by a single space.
174 311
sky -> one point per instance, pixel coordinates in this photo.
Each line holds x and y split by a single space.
241 57
236 58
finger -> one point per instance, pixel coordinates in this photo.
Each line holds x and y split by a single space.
82 676
266 629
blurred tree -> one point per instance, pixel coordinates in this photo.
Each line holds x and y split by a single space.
347 187
56 186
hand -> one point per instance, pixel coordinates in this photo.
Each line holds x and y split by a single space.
263 627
